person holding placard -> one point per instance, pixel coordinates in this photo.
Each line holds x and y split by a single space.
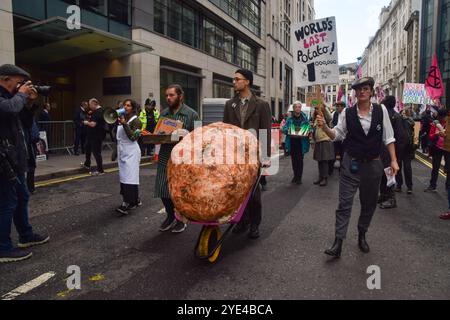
365 128
297 130
323 148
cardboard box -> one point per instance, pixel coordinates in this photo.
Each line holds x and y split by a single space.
167 126
163 132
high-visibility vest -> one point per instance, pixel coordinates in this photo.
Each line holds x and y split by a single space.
156 115
143 118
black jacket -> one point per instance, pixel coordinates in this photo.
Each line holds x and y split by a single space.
12 131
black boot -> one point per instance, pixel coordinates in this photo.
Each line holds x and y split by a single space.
318 181
389 204
362 243
241 227
336 249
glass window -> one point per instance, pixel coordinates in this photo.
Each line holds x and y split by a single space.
246 12
174 20
97 6
160 16
32 9
228 46
245 56
190 27
120 10
427 34
210 32
190 84
222 90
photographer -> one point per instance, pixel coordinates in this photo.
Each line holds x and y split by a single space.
16 97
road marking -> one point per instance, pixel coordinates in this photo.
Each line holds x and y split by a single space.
27 287
429 165
77 177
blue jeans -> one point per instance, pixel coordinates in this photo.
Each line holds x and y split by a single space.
13 207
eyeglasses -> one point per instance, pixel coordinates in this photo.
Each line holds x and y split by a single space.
238 79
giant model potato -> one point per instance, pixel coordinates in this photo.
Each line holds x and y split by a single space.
211 172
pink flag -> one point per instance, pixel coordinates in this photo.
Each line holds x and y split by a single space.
401 106
434 84
340 94
359 73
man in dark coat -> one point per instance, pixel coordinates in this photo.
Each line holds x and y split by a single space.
247 111
387 194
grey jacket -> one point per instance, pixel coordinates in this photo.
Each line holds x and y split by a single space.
12 131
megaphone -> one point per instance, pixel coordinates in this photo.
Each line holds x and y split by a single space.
111 115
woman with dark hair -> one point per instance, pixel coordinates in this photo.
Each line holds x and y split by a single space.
129 156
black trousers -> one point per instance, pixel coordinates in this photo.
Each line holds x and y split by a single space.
94 145
80 140
297 157
130 193
437 155
405 164
263 181
253 213
169 206
425 141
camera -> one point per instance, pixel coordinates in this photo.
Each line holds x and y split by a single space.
43 90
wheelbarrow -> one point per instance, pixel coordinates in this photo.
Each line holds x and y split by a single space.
210 239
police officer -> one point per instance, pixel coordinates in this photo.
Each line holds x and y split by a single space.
16 97
365 127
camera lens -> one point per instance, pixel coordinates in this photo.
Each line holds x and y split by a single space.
43 90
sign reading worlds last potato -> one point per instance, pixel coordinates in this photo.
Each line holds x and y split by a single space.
314 46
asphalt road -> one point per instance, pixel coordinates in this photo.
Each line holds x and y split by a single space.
128 258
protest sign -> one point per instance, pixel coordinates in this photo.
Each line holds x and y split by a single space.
415 93
315 52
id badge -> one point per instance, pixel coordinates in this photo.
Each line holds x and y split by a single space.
354 166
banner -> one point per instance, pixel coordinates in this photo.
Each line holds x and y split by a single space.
42 147
315 51
316 95
416 93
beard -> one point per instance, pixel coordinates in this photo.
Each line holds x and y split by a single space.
175 104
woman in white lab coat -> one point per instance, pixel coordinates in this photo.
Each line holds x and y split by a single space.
129 156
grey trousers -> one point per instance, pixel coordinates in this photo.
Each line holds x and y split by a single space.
367 180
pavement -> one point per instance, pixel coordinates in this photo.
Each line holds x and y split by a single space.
128 258
65 165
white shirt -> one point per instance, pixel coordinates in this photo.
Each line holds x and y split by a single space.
341 130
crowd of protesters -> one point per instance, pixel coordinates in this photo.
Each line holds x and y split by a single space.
354 139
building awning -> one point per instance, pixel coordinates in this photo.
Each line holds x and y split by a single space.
51 41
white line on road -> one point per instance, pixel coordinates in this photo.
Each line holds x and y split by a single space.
27 287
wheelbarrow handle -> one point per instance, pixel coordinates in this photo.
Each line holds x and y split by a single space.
258 179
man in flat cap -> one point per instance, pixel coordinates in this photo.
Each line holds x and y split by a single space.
247 111
16 97
365 127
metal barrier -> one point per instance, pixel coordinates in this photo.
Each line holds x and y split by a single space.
60 134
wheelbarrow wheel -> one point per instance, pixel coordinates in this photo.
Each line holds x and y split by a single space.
208 239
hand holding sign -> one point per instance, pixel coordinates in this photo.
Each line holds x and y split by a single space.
320 120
